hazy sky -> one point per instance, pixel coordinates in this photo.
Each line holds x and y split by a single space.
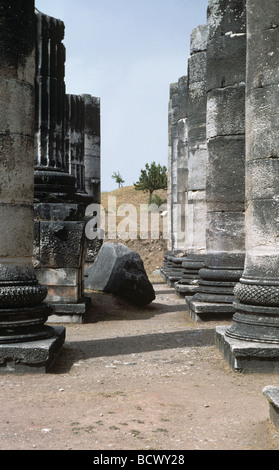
127 52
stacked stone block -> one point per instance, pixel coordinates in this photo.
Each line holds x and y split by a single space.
92 147
225 179
197 161
26 343
63 124
252 342
172 269
74 139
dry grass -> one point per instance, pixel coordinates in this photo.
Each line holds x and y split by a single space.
128 195
150 249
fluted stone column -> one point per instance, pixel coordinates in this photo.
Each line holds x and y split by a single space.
51 167
74 139
92 147
26 343
197 163
225 242
60 198
252 342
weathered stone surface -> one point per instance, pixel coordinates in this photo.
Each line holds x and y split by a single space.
22 311
272 395
257 293
177 165
92 147
120 271
61 244
32 356
225 177
247 356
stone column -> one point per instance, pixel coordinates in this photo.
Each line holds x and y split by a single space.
197 163
252 342
92 164
74 139
92 147
51 168
177 181
60 199
26 343
225 242
172 147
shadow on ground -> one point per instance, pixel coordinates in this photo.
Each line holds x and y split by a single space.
107 307
126 345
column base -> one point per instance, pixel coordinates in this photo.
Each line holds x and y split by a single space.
201 309
247 356
71 312
32 356
272 395
188 284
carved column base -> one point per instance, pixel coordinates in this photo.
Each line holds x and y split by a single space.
36 356
26 343
251 343
24 324
53 181
188 284
247 356
215 294
171 269
257 311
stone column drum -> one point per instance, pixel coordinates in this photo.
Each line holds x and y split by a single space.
74 139
225 183
92 147
252 342
51 167
177 181
25 341
197 162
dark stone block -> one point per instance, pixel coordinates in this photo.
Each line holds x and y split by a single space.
272 395
32 356
120 271
61 244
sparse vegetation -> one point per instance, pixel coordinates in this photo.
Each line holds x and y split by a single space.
152 178
118 178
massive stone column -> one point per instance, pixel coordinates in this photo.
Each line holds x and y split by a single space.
177 181
60 198
252 342
225 242
92 147
92 164
197 163
26 343
74 139
51 166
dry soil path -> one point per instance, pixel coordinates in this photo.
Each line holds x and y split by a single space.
133 379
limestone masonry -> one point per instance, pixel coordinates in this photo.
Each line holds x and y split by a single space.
223 186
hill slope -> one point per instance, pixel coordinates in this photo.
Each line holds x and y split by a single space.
150 250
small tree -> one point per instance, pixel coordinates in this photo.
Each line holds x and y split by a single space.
118 178
152 178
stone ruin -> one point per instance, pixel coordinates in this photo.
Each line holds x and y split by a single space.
50 172
67 175
222 192
231 200
227 265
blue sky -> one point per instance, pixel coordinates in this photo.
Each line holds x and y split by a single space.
127 52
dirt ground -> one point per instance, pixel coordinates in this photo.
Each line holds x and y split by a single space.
137 379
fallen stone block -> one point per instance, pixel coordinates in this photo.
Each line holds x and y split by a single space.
120 271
